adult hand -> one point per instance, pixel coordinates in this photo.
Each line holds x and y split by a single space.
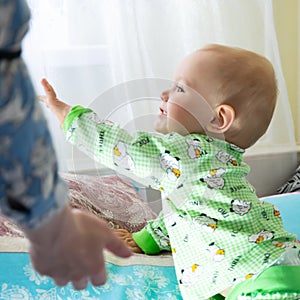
69 248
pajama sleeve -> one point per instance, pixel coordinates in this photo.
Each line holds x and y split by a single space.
30 189
140 157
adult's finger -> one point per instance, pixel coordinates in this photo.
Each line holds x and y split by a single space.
60 281
80 284
99 278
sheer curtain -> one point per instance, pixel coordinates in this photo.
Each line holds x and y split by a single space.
89 49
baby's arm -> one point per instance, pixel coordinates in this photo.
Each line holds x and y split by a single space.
59 108
138 156
112 146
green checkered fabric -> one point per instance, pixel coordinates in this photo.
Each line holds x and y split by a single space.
219 232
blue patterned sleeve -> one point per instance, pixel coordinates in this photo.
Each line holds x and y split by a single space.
30 189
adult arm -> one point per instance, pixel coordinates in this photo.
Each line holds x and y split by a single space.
31 191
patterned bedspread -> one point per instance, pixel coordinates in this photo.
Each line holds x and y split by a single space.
138 278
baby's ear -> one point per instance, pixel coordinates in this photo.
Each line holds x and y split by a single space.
224 117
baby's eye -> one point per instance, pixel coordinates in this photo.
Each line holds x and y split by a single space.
179 89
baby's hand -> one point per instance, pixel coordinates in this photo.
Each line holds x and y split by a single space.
50 98
58 107
127 238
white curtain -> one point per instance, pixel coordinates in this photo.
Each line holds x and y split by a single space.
112 55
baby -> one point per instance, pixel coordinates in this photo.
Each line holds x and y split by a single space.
220 234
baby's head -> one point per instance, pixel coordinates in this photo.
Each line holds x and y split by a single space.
223 92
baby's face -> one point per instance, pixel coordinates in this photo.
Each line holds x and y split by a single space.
188 105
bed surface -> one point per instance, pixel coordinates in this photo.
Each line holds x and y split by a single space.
140 277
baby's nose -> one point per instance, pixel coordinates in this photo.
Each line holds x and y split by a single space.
164 96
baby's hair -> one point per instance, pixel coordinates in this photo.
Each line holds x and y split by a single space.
247 82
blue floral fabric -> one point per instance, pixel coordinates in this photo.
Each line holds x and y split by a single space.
30 189
137 282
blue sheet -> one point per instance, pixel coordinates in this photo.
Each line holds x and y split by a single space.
289 207
18 281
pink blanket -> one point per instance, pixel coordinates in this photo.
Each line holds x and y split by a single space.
108 197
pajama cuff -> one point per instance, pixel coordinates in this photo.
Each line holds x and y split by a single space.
276 282
146 242
74 113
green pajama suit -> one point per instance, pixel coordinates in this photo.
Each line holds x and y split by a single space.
219 232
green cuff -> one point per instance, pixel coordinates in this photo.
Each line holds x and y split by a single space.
74 113
217 297
146 242
274 280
